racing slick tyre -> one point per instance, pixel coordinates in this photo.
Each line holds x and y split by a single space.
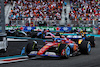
64 51
85 47
92 41
30 47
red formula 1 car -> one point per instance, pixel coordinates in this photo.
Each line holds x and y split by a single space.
58 47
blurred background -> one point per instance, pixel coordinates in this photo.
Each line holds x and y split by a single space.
53 13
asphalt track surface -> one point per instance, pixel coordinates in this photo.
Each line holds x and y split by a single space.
92 60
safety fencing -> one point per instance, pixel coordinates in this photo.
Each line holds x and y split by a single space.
35 22
84 23
74 23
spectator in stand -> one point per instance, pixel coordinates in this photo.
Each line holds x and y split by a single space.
8 1
65 3
65 11
5 2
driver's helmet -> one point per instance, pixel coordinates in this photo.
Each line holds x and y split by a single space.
57 39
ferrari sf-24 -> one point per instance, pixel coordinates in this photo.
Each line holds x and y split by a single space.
59 46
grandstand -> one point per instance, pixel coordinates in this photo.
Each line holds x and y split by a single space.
85 11
33 11
52 12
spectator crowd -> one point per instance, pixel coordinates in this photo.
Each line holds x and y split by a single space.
45 10
36 10
8 1
84 10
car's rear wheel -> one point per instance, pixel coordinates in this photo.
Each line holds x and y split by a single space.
67 52
64 51
92 41
85 47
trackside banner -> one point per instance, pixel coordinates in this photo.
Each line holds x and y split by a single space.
88 29
12 27
28 28
44 27
24 28
56 28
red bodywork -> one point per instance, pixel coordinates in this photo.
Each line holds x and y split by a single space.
56 44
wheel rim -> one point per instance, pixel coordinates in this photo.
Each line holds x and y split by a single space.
89 47
67 51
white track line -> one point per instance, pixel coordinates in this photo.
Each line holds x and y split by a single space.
11 39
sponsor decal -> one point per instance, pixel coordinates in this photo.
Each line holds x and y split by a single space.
26 29
29 28
21 28
50 28
57 29
88 29
63 52
12 27
46 46
42 50
65 28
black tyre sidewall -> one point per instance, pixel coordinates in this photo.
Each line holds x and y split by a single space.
28 48
84 47
61 47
